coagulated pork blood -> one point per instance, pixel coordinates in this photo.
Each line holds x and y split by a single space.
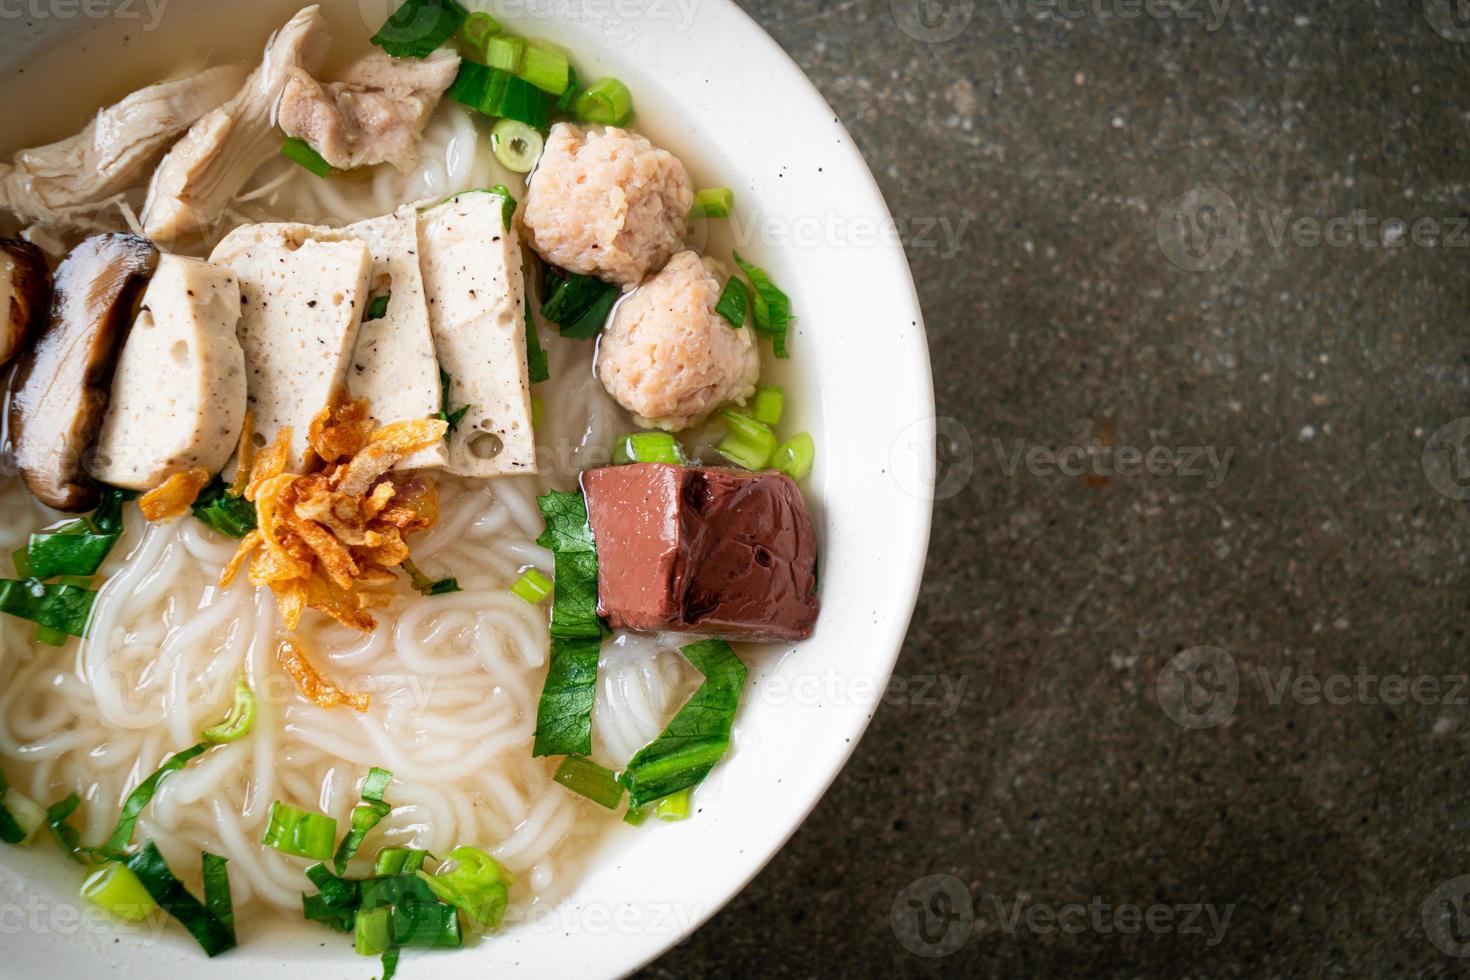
703 550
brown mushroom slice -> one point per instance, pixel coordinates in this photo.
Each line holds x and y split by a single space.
61 386
25 295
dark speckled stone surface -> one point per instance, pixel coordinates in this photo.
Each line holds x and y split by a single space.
1299 609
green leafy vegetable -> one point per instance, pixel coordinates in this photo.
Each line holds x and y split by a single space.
301 152
699 735
215 508
336 905
427 586
300 832
204 922
238 722
417 917
57 815
507 204
538 367
564 713
445 415
568 535
377 308
476 885
734 302
579 305
772 307
586 778
122 833
416 28
365 816
78 548
64 608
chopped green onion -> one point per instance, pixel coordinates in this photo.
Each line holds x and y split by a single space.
538 367
538 411
373 936
749 443
606 102
769 405
532 586
445 415
546 67
377 308
733 303
204 922
637 816
365 816
50 637
698 737
476 885
674 807
301 152
419 26
569 97
217 890
337 904
216 509
579 305
122 833
649 447
427 586
477 30
497 93
795 456
118 890
57 815
516 145
399 861
772 307
586 778
20 817
299 832
64 608
417 917
238 722
505 52
714 202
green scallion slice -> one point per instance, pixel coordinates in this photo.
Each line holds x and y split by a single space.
399 861
122 833
516 145
205 923
497 93
57 815
20 816
674 807
365 816
238 722
538 365
477 30
769 404
505 52
734 302
299 832
795 456
749 443
586 778
532 586
606 102
115 888
475 883
546 67
649 447
569 97
299 151
713 202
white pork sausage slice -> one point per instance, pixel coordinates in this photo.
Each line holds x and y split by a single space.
178 397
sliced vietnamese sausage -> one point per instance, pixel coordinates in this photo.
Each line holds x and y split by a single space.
62 384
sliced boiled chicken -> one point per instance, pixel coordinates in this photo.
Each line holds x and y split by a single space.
51 183
205 170
374 113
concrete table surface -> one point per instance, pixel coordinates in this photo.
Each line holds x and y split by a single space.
1185 694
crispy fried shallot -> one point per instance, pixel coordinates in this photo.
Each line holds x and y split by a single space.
174 496
310 682
329 539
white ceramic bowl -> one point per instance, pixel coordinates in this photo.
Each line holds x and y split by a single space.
707 79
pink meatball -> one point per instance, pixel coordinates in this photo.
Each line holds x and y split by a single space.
668 357
608 204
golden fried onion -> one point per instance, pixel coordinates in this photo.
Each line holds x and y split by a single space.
309 681
329 539
174 496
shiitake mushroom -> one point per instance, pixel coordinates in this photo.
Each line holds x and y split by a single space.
25 296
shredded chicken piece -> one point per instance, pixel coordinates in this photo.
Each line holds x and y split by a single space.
57 184
174 496
317 689
330 538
